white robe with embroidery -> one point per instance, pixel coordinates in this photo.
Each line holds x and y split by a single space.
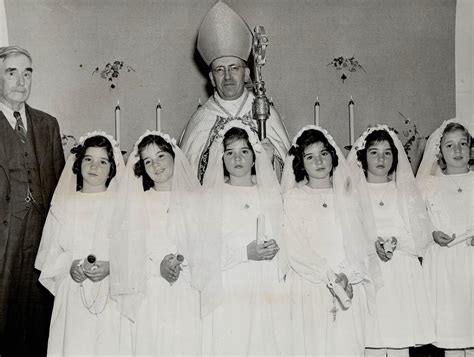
195 138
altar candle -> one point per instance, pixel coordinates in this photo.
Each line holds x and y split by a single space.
158 116
316 112
117 122
260 229
351 121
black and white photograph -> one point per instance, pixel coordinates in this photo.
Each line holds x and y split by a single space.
237 178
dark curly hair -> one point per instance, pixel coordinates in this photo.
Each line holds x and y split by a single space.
452 127
308 138
373 138
232 135
139 168
97 141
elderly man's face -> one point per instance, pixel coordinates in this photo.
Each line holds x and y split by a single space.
228 75
15 80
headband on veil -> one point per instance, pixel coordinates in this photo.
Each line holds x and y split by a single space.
288 180
208 279
67 182
429 164
128 248
358 240
61 209
411 205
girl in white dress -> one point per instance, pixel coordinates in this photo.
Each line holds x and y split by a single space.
324 232
152 287
74 253
245 303
447 185
402 317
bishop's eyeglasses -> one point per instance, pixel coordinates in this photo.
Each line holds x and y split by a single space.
233 69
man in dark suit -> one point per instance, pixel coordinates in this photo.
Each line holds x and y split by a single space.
31 161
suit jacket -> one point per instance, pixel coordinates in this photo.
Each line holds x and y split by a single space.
50 158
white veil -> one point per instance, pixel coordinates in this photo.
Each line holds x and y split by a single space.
208 277
358 240
411 205
49 259
131 226
429 164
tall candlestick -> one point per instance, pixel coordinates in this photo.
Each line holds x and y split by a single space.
158 116
316 112
351 121
117 122
260 229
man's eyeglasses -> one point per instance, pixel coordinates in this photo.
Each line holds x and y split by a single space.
233 69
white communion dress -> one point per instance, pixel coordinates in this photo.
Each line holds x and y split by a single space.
253 318
85 321
320 325
449 271
402 317
168 316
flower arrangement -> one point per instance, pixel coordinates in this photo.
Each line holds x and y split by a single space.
65 139
346 64
412 137
68 141
111 71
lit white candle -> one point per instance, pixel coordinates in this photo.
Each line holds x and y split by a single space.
260 229
316 112
199 103
351 121
158 116
117 122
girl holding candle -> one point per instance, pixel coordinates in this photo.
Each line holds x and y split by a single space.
245 303
324 232
74 253
385 178
150 257
447 184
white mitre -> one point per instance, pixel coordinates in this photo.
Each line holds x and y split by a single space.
223 33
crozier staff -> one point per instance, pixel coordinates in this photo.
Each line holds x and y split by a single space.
224 42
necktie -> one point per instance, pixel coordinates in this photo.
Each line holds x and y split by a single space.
20 127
